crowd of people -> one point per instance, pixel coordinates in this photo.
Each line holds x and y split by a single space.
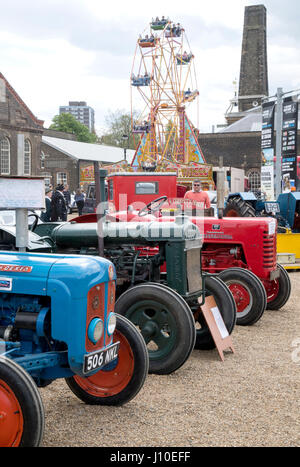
58 203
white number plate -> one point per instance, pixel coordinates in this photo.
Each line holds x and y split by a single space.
272 207
96 360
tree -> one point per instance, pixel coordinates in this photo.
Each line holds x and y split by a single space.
68 123
118 124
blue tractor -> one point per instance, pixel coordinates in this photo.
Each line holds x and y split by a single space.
57 320
289 204
248 204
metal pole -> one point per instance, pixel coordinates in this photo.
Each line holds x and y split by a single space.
98 201
220 188
97 183
279 119
21 229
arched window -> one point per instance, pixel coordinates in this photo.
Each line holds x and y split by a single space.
4 156
27 157
254 180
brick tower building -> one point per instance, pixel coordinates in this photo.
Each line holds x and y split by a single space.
254 65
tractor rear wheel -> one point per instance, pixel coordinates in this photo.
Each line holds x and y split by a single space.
21 409
248 292
121 380
165 322
278 290
236 207
215 287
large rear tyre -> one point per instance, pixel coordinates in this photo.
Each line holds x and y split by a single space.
21 409
165 322
236 207
248 292
227 307
278 290
121 380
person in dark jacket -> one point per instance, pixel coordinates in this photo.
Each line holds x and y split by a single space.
67 196
46 215
79 199
58 205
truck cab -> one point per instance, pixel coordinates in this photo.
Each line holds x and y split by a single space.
137 189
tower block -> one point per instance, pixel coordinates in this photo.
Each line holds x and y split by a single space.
253 84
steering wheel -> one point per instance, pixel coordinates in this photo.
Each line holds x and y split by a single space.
148 208
34 224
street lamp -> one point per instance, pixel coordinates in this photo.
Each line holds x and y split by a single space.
125 139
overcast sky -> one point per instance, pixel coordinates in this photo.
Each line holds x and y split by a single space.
55 51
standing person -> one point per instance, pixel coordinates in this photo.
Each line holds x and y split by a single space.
79 199
197 195
58 205
67 196
46 215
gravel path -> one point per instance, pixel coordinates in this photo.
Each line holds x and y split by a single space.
251 399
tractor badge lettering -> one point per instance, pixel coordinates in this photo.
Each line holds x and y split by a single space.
217 235
11 268
5 284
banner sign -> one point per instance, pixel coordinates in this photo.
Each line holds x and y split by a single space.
267 150
267 132
289 144
267 181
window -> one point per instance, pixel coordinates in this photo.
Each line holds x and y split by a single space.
27 157
47 178
146 188
254 180
43 157
4 156
61 178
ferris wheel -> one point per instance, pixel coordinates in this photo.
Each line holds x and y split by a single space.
163 86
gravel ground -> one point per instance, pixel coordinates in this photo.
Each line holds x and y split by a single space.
250 399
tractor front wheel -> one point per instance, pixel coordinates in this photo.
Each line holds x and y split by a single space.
165 322
248 292
121 380
224 300
21 408
278 290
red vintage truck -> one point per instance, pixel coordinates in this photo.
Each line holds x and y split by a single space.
242 251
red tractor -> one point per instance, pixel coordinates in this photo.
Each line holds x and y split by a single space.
241 251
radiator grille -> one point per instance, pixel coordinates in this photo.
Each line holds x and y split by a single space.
269 251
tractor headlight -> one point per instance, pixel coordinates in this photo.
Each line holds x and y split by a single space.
111 323
95 330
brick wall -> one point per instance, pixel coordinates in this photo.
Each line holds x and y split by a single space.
55 162
240 150
16 119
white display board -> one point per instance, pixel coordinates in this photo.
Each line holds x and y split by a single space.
22 193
